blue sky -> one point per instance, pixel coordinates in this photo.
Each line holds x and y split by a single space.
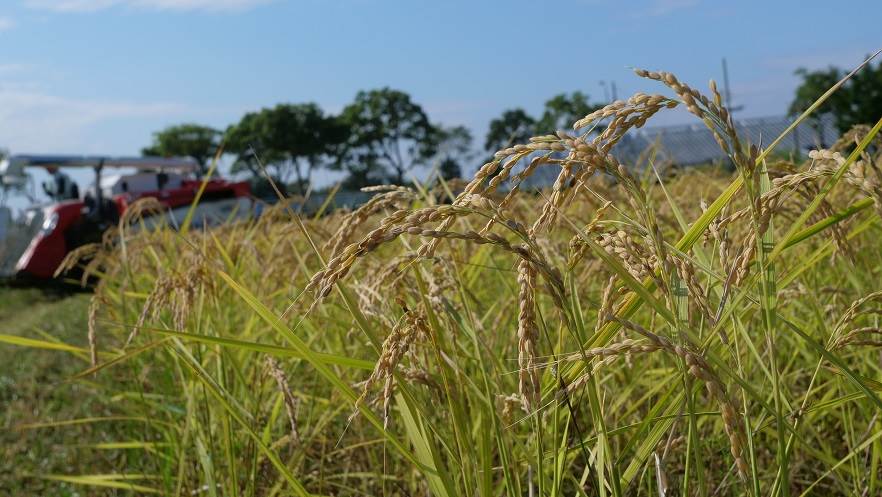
98 76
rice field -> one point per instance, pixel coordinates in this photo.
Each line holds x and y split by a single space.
628 331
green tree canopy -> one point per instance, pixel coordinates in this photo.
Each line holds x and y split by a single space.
291 139
388 135
562 110
513 126
249 140
189 139
858 101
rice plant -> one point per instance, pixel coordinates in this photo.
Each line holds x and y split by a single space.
625 332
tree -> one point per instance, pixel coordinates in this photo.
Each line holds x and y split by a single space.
189 139
562 110
454 149
387 134
246 140
858 101
304 137
291 139
513 126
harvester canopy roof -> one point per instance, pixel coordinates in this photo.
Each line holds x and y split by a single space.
16 163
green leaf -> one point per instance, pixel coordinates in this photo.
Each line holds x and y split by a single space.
330 359
331 377
106 481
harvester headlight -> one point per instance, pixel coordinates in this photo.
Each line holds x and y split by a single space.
49 224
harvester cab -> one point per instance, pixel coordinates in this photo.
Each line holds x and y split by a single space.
35 240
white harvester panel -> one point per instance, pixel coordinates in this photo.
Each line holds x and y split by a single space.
139 183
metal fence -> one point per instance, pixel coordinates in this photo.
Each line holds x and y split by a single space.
694 144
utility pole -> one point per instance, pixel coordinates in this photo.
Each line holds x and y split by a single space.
605 91
615 93
727 94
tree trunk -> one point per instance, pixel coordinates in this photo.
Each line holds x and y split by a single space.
300 180
311 164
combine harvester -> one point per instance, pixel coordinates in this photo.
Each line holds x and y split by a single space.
34 242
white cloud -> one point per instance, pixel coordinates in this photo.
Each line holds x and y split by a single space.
10 68
6 23
35 121
71 5
179 5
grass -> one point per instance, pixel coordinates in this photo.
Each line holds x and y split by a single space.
33 389
622 333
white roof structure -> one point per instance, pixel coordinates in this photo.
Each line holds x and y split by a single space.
16 163
12 168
